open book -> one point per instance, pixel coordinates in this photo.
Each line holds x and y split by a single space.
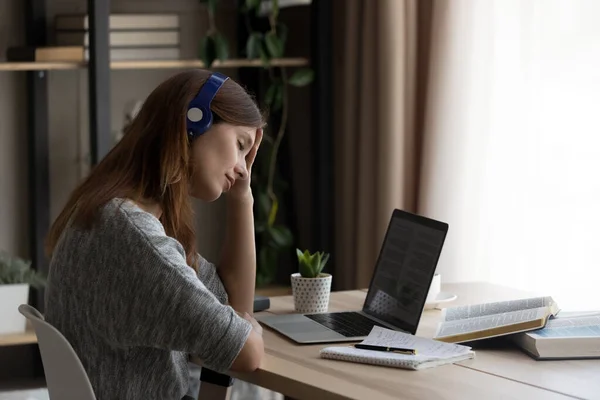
569 337
429 353
482 321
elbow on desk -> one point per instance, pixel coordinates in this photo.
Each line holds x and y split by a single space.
250 357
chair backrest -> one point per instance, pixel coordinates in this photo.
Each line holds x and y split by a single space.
65 376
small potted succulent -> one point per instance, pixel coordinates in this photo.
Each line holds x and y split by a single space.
16 277
311 287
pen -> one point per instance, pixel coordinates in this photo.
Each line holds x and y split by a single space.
384 348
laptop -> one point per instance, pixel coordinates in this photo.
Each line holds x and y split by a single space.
397 292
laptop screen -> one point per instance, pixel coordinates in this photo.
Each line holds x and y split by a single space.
405 269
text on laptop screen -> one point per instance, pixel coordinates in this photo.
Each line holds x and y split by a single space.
404 270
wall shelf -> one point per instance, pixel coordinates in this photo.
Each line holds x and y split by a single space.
28 337
151 64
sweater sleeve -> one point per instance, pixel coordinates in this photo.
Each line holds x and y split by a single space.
148 296
207 273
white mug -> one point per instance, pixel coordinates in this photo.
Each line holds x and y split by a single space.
434 289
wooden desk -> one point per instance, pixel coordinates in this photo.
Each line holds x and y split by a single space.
298 372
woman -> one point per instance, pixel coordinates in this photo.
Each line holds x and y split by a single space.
126 286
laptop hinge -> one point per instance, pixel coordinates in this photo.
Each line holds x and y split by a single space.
379 321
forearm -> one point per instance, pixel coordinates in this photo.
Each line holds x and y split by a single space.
237 268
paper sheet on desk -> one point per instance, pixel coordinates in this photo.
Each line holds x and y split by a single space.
430 353
426 347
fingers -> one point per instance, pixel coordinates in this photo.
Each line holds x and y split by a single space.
259 136
252 153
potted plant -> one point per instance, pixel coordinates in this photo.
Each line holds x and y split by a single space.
311 287
16 277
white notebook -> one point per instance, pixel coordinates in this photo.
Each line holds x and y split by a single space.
430 353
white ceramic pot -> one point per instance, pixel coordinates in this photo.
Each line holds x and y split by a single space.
311 295
11 297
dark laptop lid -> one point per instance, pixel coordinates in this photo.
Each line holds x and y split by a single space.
404 270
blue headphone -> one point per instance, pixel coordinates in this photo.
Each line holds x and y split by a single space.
199 117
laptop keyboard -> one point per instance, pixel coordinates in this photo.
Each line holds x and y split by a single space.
349 323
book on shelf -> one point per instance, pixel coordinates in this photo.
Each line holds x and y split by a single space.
81 54
564 337
141 53
124 21
45 54
429 353
135 38
482 321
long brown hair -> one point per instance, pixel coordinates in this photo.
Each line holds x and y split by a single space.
152 160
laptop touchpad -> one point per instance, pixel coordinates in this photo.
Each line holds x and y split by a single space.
301 328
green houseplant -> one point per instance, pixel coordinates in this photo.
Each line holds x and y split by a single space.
16 277
311 287
273 237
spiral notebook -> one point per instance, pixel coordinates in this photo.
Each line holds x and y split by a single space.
429 353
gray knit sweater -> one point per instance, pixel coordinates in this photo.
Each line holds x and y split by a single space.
132 309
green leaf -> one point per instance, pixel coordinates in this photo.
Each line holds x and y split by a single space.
273 212
274 45
305 270
274 96
221 47
264 203
207 51
270 95
282 236
253 45
264 55
275 9
311 265
282 32
252 4
302 77
211 4
324 261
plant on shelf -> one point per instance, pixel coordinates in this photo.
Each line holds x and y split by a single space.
273 237
16 277
311 287
15 270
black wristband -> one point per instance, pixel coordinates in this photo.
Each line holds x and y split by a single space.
210 376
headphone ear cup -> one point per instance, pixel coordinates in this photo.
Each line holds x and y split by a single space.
199 117
199 120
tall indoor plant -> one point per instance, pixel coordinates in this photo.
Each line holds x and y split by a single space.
273 237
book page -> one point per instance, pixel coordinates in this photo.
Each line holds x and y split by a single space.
479 310
425 347
570 327
450 328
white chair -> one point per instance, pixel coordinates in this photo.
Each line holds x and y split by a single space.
65 376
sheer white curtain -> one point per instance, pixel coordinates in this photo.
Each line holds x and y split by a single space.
512 148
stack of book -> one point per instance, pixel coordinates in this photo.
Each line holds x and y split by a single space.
535 324
131 36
